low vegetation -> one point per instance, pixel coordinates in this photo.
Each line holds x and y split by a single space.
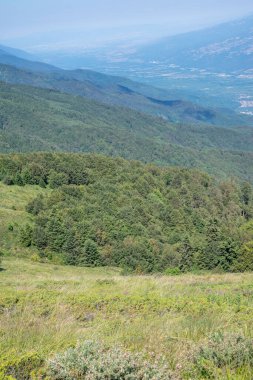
91 360
198 326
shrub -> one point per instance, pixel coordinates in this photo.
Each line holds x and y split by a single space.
92 257
57 179
35 206
244 262
172 271
18 180
33 174
223 351
25 235
93 361
35 258
8 180
19 368
10 227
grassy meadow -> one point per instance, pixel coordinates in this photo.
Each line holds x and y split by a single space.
45 308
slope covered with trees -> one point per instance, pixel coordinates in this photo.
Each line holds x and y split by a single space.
33 119
104 211
120 91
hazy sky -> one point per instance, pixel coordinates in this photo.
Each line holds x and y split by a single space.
20 19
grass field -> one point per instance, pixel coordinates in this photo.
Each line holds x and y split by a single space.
45 308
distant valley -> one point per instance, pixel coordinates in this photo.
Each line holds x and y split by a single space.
195 65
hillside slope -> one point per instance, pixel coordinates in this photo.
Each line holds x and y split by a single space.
114 90
35 119
8 57
116 212
16 52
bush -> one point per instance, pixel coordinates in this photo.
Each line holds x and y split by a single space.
25 235
19 368
35 206
57 179
244 262
92 257
10 227
8 181
172 271
33 174
93 361
223 351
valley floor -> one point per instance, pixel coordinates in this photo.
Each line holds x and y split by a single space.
44 308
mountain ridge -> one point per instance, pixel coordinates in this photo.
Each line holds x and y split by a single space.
34 119
225 37
118 91
195 66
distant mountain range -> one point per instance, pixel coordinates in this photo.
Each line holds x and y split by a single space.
21 59
6 50
227 47
224 48
114 91
196 66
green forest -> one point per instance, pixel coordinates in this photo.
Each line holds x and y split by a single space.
142 218
33 119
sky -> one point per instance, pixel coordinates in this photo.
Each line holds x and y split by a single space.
25 23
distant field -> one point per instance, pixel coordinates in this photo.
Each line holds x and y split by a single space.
45 308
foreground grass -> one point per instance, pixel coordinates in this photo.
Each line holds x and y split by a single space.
46 308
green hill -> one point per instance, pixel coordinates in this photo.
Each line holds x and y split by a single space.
118 91
107 211
33 119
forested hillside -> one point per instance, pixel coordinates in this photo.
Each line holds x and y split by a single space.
104 211
33 119
121 92
17 58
